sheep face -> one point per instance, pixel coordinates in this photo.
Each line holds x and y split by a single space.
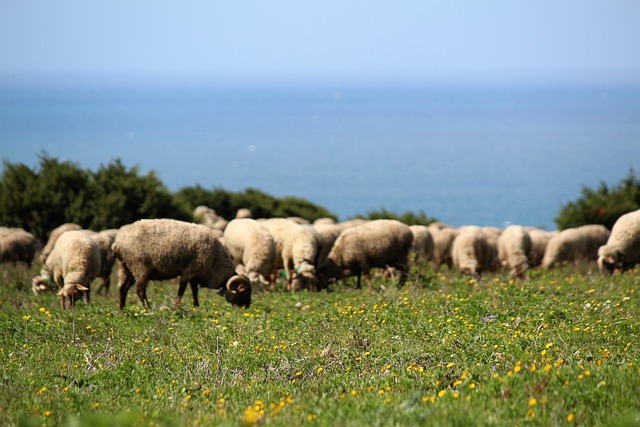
238 291
40 283
305 279
72 292
609 260
329 271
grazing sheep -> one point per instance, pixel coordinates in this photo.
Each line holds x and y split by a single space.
423 246
324 221
252 248
442 241
514 247
162 249
622 250
569 246
105 239
296 252
244 213
208 217
471 252
539 240
595 236
375 244
53 236
72 264
17 246
328 234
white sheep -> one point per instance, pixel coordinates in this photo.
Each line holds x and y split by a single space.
595 236
471 252
17 246
105 239
252 248
514 247
296 251
442 242
72 264
163 249
53 236
378 243
422 247
328 234
622 250
539 240
208 217
568 246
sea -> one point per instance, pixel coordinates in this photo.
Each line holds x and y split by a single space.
464 154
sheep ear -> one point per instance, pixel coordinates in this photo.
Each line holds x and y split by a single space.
609 259
81 287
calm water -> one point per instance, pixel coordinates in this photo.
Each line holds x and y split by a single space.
466 155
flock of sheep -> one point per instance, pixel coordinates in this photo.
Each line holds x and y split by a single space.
237 256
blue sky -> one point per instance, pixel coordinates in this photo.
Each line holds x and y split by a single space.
256 41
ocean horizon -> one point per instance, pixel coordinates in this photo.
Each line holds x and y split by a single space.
474 154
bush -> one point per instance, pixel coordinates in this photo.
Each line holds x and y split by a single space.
603 205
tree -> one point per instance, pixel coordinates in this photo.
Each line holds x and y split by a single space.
40 200
408 218
602 205
121 196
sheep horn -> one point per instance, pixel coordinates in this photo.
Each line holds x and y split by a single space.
237 283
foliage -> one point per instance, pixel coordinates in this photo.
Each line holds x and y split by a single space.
558 348
262 205
602 205
60 191
408 217
40 200
121 196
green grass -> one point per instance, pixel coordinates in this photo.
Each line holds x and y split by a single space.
559 348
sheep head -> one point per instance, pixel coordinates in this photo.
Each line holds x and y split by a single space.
70 291
238 291
305 278
609 260
41 283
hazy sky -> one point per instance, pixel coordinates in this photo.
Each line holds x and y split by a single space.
571 40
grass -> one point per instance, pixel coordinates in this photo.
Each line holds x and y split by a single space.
559 348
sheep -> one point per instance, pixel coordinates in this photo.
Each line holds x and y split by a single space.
72 264
442 241
568 245
622 250
17 246
423 246
105 239
595 235
208 217
514 247
53 236
252 248
324 221
378 243
296 252
539 240
244 213
471 252
328 234
162 249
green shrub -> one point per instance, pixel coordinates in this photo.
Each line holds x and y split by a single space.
602 205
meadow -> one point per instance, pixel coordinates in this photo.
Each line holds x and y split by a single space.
557 348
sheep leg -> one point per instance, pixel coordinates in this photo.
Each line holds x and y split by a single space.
367 278
182 286
403 275
126 281
141 290
194 292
